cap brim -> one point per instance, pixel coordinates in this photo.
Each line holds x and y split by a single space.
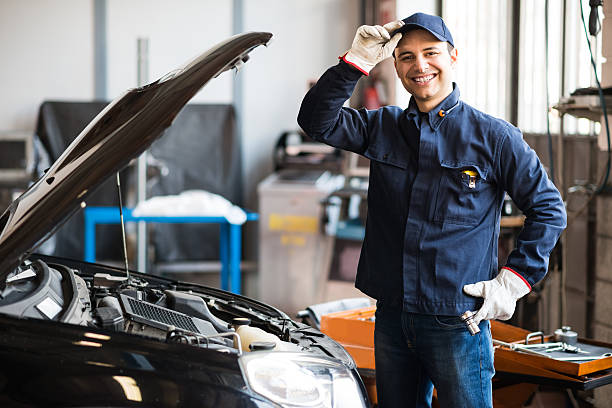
407 27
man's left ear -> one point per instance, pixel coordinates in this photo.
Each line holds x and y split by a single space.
453 56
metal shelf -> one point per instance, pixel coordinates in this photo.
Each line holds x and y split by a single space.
583 106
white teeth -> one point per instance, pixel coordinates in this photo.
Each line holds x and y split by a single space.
424 78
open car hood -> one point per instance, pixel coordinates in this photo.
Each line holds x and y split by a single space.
120 133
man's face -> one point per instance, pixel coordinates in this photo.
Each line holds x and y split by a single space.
425 67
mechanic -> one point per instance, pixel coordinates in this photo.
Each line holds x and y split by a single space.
438 174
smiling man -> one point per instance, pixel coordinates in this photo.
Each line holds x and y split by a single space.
439 170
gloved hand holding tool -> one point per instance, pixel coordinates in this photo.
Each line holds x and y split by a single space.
372 44
500 295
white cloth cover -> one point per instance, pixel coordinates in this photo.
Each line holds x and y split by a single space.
191 203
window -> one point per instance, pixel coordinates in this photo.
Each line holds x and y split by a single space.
480 29
565 72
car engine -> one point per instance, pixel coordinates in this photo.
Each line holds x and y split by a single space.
149 306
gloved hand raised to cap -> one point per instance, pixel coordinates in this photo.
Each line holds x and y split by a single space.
372 44
500 295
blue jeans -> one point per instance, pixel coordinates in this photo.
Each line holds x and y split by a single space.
416 352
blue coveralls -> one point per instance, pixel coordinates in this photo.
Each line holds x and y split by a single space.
432 226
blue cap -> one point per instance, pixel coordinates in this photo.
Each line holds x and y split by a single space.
434 24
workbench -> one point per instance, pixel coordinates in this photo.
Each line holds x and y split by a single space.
230 239
517 375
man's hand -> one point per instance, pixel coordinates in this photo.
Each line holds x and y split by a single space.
500 295
373 44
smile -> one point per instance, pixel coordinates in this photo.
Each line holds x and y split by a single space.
424 79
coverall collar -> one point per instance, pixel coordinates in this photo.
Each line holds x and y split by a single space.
437 114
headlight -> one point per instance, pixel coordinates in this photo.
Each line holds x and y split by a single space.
298 380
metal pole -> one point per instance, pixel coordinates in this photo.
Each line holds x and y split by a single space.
514 60
100 59
141 180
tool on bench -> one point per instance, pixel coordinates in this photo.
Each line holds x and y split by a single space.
526 348
584 358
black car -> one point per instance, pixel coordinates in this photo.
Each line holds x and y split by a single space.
74 334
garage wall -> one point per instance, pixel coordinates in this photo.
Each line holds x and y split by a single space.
602 324
308 38
177 32
46 51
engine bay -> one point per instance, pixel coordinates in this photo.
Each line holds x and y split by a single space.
149 306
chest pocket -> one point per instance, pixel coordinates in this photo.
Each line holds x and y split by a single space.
464 193
389 178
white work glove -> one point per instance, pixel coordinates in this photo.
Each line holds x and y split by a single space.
373 44
500 295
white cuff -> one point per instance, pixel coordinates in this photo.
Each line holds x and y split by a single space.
516 285
359 63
